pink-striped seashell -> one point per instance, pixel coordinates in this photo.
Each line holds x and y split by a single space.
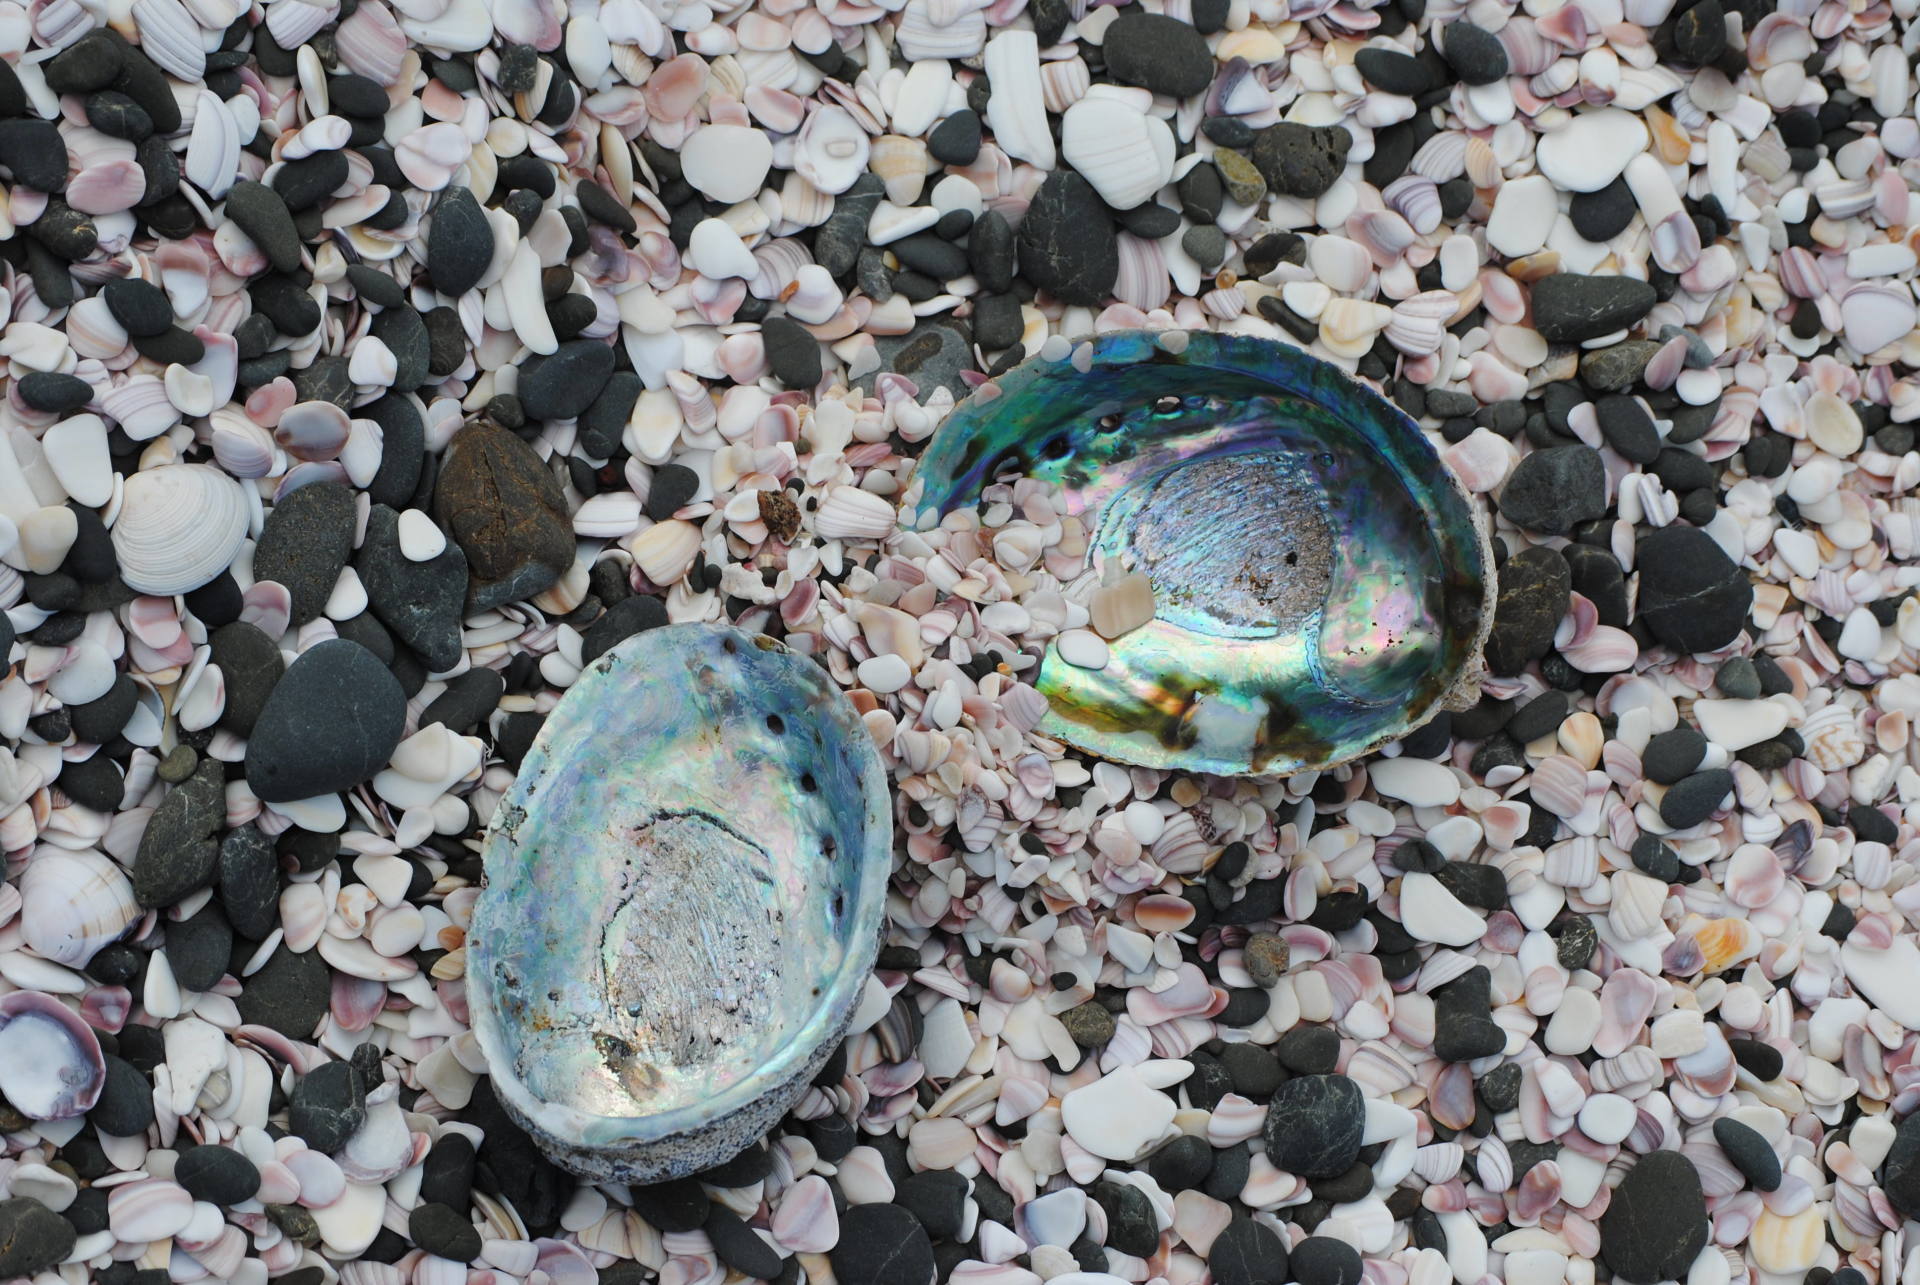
1451 1096
312 430
321 134
1538 1192
267 605
1384 233
428 156
319 1179
1605 650
170 36
372 43
1417 199
527 22
1626 1000
298 22
355 1001
1676 242
58 23
148 1210
1528 51
775 109
107 187
141 407
1143 280
1560 786
243 449
107 1008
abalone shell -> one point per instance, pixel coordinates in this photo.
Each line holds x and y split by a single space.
683 900
1323 584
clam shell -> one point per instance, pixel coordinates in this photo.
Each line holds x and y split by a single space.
179 526
73 903
831 150
684 894
50 1062
1322 585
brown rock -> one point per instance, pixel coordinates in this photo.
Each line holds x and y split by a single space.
780 514
506 511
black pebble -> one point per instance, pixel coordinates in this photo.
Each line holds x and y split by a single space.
443 1231
1670 756
1751 1154
1323 1260
1697 797
326 1106
1475 53
217 1175
793 353
1249 1253
882 1245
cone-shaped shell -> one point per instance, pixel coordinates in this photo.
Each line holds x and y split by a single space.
1322 583
683 900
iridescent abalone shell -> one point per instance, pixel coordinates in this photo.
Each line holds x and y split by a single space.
683 901
1322 582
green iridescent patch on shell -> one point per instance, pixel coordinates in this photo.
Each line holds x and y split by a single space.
683 901
1322 583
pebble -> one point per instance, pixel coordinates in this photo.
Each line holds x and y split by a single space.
1750 1153
460 242
1158 53
1301 160
1553 490
1692 595
1656 1222
217 1175
1252 1253
1066 243
305 544
32 1237
1314 1125
1324 1260
327 1106
1694 798
882 1245
331 722
1570 308
446 1233
418 598
1475 54
504 509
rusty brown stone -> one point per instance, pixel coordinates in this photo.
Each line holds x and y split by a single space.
780 513
505 509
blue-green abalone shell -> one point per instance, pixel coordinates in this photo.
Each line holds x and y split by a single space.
683 901
1322 583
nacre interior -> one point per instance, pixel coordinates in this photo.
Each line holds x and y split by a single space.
1322 583
683 900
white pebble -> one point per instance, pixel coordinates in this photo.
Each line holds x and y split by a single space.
1082 648
1421 782
1430 913
420 539
1592 150
726 162
1607 1117
1523 214
884 674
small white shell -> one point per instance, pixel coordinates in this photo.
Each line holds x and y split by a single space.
831 150
179 527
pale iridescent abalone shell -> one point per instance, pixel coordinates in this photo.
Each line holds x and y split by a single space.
683 901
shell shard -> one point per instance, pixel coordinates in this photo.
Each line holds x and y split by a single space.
683 900
1322 583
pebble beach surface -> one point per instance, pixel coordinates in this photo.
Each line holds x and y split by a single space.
374 365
